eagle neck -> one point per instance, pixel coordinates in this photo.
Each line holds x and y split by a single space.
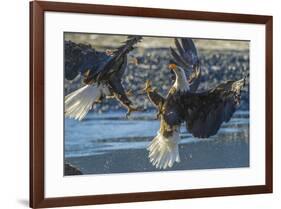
181 83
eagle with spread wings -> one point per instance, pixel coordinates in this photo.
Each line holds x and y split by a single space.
202 112
102 74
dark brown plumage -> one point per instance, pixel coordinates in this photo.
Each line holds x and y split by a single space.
202 112
102 74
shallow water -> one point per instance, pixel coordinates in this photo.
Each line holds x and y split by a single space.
109 143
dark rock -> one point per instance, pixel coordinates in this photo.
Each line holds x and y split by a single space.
71 170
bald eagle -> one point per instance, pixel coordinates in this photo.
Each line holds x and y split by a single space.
202 112
102 74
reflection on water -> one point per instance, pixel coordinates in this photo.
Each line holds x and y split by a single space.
109 143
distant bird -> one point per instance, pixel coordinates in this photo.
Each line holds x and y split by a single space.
102 74
203 112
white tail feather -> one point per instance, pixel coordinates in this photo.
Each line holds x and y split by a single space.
79 102
164 151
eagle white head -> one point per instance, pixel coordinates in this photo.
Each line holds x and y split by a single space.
181 82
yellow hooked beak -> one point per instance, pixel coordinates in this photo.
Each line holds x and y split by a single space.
172 66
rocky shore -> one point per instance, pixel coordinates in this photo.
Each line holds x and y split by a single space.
217 66
70 170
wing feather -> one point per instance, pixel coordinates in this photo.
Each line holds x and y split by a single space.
114 64
172 113
81 57
186 57
179 47
178 59
205 112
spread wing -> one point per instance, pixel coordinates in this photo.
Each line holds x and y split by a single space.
113 65
81 57
96 66
186 57
205 112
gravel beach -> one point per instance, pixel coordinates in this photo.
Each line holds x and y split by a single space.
220 61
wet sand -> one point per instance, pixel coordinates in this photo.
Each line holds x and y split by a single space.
207 154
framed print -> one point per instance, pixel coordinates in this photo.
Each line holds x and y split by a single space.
138 104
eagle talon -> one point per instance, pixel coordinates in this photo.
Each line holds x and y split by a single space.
129 93
130 110
98 101
148 87
128 114
110 97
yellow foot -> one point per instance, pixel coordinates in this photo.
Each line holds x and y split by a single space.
129 93
147 87
130 110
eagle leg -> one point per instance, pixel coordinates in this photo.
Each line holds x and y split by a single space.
98 101
156 99
148 87
159 110
130 110
129 93
110 97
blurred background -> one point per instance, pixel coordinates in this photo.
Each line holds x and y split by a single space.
221 60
